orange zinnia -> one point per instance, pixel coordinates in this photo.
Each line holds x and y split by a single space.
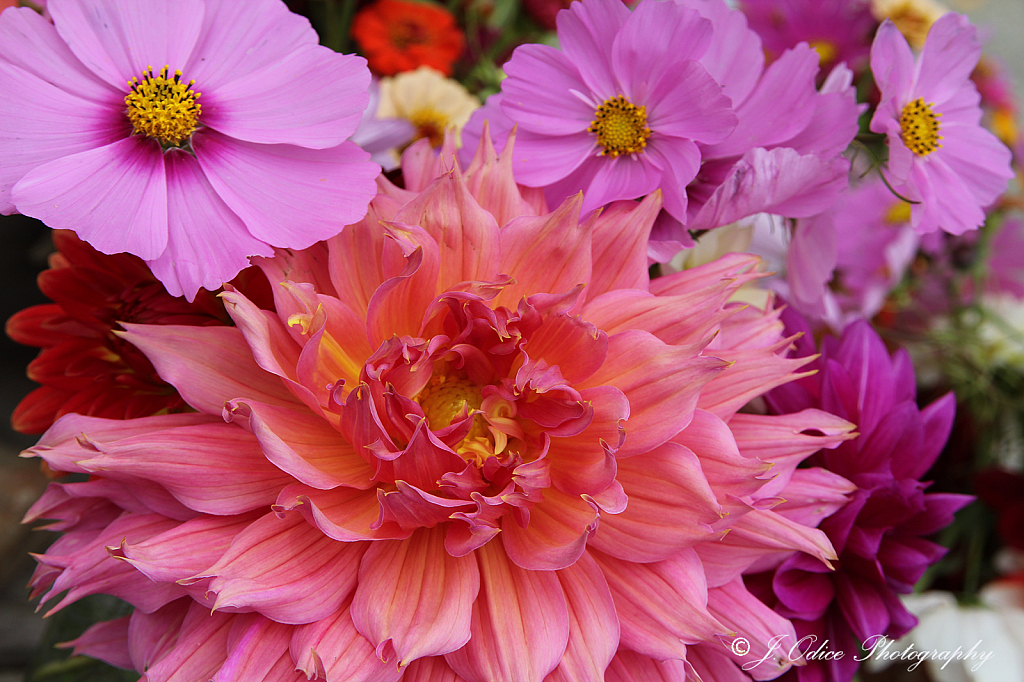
397 35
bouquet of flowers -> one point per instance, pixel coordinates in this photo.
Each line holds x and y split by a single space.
536 341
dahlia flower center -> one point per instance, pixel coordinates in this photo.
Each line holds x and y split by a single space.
620 126
430 124
826 50
919 127
445 397
163 107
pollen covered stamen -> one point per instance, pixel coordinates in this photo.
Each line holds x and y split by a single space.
919 127
620 126
163 107
444 398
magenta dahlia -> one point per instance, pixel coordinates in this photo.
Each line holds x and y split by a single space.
191 134
940 157
879 533
474 442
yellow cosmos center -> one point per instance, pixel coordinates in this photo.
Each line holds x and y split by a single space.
826 51
431 124
898 214
919 127
163 107
620 126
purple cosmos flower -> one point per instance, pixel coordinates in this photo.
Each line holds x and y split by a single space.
618 111
838 30
878 534
192 134
939 155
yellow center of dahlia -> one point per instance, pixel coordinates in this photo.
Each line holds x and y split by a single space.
431 124
444 398
163 107
620 126
919 127
826 51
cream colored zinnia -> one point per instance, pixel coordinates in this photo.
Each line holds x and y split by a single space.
914 18
431 102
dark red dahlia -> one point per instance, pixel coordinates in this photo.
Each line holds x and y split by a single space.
84 366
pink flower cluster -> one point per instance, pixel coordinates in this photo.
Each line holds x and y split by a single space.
471 438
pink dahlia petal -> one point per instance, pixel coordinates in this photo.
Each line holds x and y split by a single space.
586 32
435 619
547 252
151 635
671 506
23 31
661 606
620 264
288 195
286 569
344 514
34 127
812 495
520 623
243 39
629 666
212 365
196 255
556 536
258 652
713 662
770 636
117 43
466 234
430 669
545 110
200 649
114 197
181 552
206 483
105 641
593 624
332 647
661 386
287 101
303 445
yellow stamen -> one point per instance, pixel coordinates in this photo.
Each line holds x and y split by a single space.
163 107
620 126
919 127
898 213
826 51
430 124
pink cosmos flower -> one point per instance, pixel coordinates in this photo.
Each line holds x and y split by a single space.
192 134
618 111
838 30
939 155
419 466
782 156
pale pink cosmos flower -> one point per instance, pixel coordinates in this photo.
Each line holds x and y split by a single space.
939 155
248 153
475 442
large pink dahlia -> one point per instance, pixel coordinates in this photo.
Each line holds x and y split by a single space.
474 443
192 134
